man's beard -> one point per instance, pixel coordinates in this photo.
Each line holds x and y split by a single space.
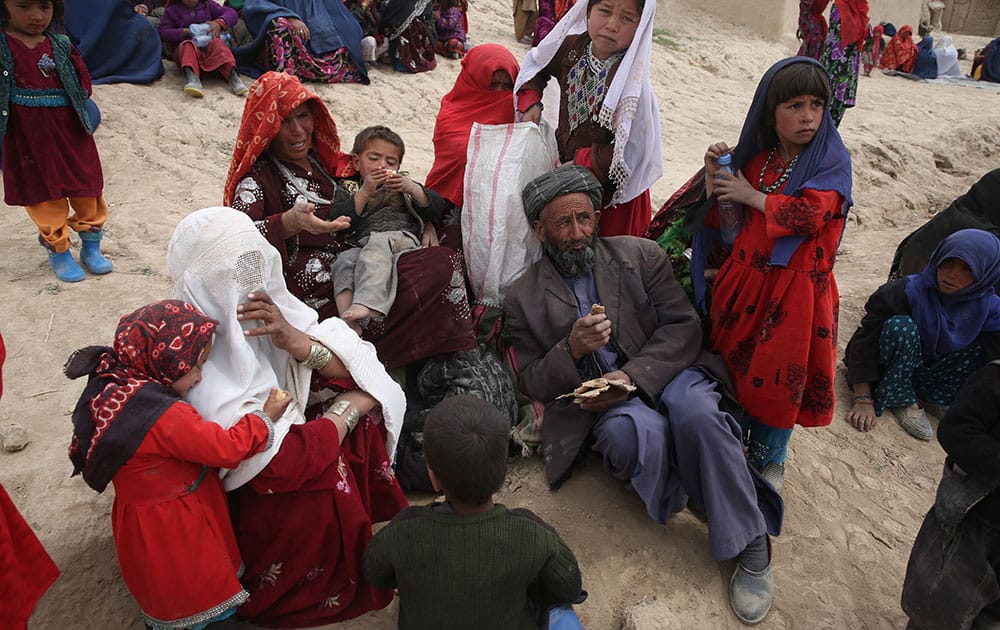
569 262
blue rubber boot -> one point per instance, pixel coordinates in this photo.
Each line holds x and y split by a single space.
90 253
65 267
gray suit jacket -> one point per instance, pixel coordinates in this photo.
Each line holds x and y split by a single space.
654 328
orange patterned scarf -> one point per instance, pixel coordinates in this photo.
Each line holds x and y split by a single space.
273 97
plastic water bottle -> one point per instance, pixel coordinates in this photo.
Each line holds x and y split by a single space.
201 35
730 214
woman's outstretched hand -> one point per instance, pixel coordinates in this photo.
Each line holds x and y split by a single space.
302 218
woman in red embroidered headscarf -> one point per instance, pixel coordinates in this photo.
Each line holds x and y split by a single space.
288 149
901 53
483 93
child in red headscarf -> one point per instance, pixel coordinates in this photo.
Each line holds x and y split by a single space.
175 544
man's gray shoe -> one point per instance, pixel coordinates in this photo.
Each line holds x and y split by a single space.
774 474
751 594
914 421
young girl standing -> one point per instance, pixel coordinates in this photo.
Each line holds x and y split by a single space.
175 544
51 159
775 301
608 119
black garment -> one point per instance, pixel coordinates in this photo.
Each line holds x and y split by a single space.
952 577
978 208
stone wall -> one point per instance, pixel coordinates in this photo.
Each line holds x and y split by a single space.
972 17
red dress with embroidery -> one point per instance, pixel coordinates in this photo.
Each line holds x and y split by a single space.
175 545
304 522
776 327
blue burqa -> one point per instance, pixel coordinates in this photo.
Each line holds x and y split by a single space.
926 64
118 45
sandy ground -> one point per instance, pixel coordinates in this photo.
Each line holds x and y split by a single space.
853 501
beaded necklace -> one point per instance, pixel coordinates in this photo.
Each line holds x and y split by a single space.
587 82
785 174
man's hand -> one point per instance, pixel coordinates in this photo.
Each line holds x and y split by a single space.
613 396
589 333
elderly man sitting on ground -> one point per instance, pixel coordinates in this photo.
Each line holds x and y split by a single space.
674 437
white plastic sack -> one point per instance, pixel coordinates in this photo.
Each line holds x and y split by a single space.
498 241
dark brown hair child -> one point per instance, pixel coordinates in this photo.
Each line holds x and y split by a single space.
469 562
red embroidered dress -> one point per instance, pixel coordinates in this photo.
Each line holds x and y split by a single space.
776 327
171 520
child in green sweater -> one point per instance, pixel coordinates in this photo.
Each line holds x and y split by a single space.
469 562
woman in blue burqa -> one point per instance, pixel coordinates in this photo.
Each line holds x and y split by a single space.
118 45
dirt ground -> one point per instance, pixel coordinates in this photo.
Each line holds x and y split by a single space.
853 501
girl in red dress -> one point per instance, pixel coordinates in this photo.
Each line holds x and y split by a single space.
51 159
775 301
175 544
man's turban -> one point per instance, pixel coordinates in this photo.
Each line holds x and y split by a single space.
561 181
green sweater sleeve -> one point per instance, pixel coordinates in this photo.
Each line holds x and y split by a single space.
378 567
559 582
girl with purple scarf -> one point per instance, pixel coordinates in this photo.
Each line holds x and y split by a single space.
923 335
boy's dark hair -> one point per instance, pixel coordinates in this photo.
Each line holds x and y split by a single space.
377 132
640 4
790 82
465 444
58 10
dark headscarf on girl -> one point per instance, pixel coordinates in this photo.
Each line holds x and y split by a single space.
129 384
823 164
950 322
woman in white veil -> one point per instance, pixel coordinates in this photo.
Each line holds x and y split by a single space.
947 59
303 509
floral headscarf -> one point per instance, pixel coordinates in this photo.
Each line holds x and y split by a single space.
272 97
129 384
